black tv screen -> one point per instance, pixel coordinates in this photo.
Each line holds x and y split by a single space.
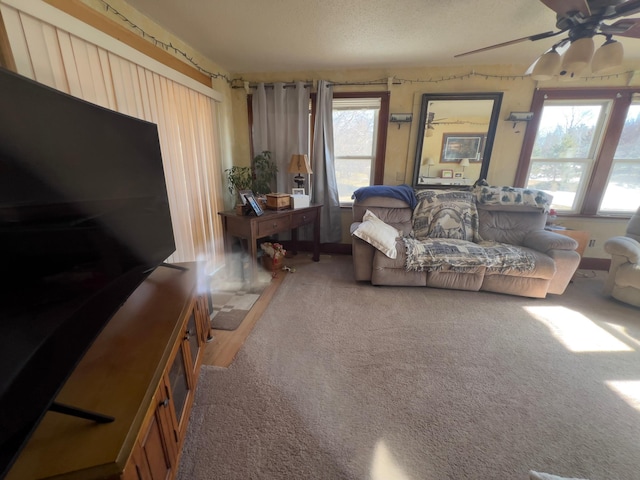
84 218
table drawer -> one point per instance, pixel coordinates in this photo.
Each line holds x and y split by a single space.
302 218
269 226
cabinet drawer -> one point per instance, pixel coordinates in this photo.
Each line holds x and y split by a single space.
302 218
269 226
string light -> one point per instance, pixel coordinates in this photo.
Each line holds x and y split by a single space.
397 81
167 46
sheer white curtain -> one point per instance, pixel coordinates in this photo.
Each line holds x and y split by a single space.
325 186
281 126
186 119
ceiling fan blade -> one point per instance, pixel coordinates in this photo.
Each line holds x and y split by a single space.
629 27
560 47
565 7
532 38
627 8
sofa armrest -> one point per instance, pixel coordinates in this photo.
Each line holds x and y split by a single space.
625 247
544 241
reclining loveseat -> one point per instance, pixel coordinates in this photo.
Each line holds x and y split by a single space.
491 239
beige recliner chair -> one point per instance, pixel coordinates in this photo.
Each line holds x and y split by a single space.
623 282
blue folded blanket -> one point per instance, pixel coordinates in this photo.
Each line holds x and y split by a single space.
400 192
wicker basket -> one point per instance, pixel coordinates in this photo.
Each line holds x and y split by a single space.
273 264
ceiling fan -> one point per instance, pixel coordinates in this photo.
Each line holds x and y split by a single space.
432 122
581 21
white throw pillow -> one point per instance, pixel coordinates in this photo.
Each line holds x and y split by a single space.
379 234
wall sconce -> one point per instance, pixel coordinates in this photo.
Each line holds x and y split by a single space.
516 117
401 118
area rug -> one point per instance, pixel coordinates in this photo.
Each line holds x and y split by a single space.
228 309
344 380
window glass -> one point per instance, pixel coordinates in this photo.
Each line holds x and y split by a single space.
564 150
567 131
355 130
560 179
622 193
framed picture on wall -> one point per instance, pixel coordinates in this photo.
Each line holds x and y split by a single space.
456 146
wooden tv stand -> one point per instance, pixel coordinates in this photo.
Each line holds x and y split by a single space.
142 369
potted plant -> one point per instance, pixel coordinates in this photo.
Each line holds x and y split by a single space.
256 178
264 171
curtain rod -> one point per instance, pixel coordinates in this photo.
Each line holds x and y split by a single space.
338 84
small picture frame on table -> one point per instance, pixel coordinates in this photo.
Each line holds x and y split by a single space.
457 175
253 203
297 191
242 195
447 174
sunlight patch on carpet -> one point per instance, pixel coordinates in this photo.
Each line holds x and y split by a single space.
384 466
577 332
628 390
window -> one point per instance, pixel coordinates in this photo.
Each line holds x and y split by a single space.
583 147
355 131
360 123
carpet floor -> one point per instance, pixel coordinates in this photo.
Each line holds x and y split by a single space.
343 380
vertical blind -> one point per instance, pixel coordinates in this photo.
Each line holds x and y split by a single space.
187 122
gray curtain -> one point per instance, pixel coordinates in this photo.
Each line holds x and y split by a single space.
281 126
323 180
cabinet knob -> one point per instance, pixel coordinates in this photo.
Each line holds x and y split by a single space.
164 403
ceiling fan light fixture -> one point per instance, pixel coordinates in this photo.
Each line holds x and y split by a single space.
547 66
608 57
577 57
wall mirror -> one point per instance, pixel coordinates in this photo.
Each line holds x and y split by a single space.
455 138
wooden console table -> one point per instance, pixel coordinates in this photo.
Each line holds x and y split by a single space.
271 222
142 369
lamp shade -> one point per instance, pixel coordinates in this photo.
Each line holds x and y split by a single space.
428 161
299 164
608 57
577 57
464 162
547 66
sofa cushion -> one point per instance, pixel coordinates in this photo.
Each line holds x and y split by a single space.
377 233
462 256
508 226
445 214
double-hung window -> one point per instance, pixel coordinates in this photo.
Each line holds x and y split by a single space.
583 147
360 121
356 125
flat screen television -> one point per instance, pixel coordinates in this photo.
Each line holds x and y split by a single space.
84 219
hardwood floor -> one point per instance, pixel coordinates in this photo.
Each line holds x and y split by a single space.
221 351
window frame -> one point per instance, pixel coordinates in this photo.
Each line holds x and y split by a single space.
621 98
383 125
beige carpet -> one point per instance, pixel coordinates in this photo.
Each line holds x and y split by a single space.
341 380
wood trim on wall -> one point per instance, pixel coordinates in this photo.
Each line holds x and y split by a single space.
86 14
595 264
6 56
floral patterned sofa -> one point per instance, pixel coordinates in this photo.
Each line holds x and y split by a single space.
491 239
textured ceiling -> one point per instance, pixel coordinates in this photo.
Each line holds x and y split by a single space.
246 36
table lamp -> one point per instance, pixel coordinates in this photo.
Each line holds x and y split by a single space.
429 161
464 163
299 164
